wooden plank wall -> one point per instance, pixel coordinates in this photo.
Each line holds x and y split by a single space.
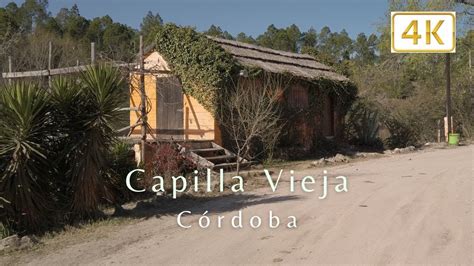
199 124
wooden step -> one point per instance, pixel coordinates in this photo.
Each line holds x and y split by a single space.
207 150
211 155
222 158
228 166
199 144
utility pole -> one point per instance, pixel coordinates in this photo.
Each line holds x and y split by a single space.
142 102
448 93
472 87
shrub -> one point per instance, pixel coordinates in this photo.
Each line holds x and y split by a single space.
54 146
168 161
120 162
24 130
363 125
401 134
4 232
102 88
413 121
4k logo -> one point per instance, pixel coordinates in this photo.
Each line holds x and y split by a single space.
423 32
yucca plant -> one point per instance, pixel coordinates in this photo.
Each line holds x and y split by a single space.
96 97
69 106
120 162
25 129
363 124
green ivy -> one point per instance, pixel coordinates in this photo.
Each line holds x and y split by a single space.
204 68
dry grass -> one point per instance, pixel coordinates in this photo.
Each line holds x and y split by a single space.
70 235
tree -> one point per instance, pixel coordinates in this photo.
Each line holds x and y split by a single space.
294 37
149 26
324 37
72 23
8 20
32 13
242 37
250 114
96 29
365 48
118 42
216 31
309 38
285 39
51 25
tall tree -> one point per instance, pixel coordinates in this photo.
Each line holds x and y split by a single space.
9 23
118 42
365 48
216 31
33 13
309 38
334 44
96 29
286 39
149 26
72 23
242 37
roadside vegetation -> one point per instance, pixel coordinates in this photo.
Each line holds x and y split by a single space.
58 148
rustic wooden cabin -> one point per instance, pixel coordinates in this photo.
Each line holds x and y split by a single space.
177 115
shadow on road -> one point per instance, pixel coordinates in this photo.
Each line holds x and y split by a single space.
164 206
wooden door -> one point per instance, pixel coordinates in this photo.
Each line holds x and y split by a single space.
328 117
170 108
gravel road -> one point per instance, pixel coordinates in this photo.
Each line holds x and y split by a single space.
409 208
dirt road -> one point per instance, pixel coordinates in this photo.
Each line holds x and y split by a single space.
412 208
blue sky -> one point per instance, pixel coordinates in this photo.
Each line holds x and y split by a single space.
251 17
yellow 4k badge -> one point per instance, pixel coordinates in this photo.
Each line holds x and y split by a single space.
423 32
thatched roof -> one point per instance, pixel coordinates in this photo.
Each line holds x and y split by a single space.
274 61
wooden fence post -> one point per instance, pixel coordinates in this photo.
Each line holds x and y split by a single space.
50 58
92 53
9 68
142 102
439 131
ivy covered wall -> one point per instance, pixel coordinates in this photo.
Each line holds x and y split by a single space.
203 67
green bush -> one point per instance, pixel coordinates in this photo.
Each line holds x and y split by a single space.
4 232
120 162
25 129
363 124
401 134
54 146
203 67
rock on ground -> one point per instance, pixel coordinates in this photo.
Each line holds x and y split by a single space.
15 242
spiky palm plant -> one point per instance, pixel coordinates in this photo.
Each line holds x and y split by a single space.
91 133
363 124
24 131
68 107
